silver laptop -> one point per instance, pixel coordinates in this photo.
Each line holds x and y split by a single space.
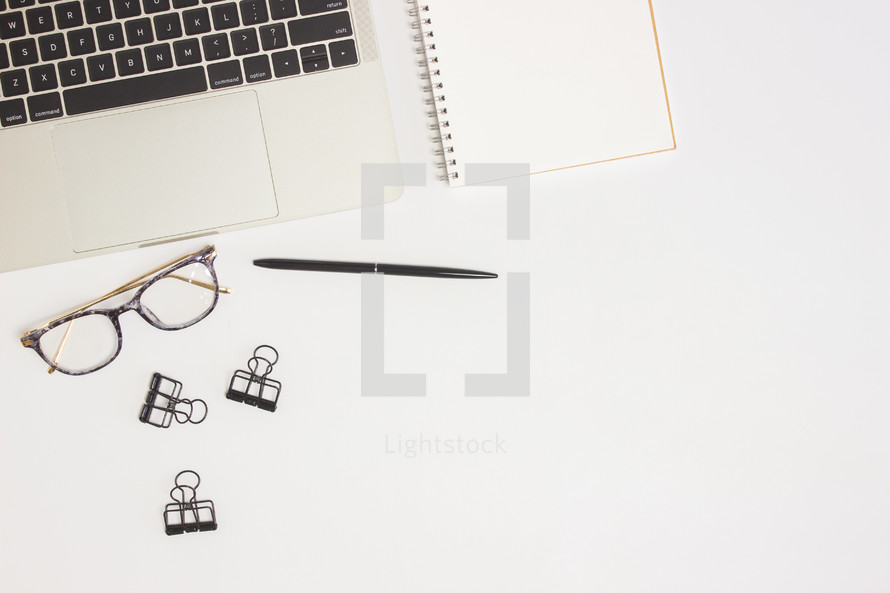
126 123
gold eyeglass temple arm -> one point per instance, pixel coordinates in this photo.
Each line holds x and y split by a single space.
58 355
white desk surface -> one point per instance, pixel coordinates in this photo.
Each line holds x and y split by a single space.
710 391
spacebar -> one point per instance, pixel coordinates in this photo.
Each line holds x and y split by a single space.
129 91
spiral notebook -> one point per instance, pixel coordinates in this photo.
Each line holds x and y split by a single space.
559 85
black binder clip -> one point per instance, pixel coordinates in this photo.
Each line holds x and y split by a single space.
254 387
163 404
187 514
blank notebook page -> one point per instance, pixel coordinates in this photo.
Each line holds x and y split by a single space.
558 85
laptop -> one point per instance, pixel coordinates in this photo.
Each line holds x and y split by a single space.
127 123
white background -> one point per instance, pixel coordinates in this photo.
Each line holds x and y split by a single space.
709 378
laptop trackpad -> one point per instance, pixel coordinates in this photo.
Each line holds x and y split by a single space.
165 171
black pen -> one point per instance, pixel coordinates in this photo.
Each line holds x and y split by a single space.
369 268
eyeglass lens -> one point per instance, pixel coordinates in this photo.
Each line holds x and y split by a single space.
82 344
181 297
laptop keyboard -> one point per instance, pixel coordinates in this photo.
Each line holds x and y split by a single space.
61 58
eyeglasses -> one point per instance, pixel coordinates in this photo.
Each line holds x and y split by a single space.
174 296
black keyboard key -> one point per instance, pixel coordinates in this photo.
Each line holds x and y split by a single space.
187 52
319 28
12 25
256 68
253 12
100 67
155 6
69 15
81 42
225 16
97 11
125 9
43 78
72 72
110 36
129 91
159 57
52 47
216 47
12 113
184 3
343 53
129 62
273 36
21 3
314 58
308 7
14 83
244 41
4 57
282 9
285 63
196 21
2 4
40 20
23 52
224 74
168 26
43 107
139 32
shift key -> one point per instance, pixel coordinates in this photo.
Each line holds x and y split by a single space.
319 28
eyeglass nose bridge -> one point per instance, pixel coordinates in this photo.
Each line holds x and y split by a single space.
114 316
133 305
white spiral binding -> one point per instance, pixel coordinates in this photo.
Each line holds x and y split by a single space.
434 88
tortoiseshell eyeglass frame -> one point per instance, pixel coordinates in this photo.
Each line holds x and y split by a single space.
206 256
